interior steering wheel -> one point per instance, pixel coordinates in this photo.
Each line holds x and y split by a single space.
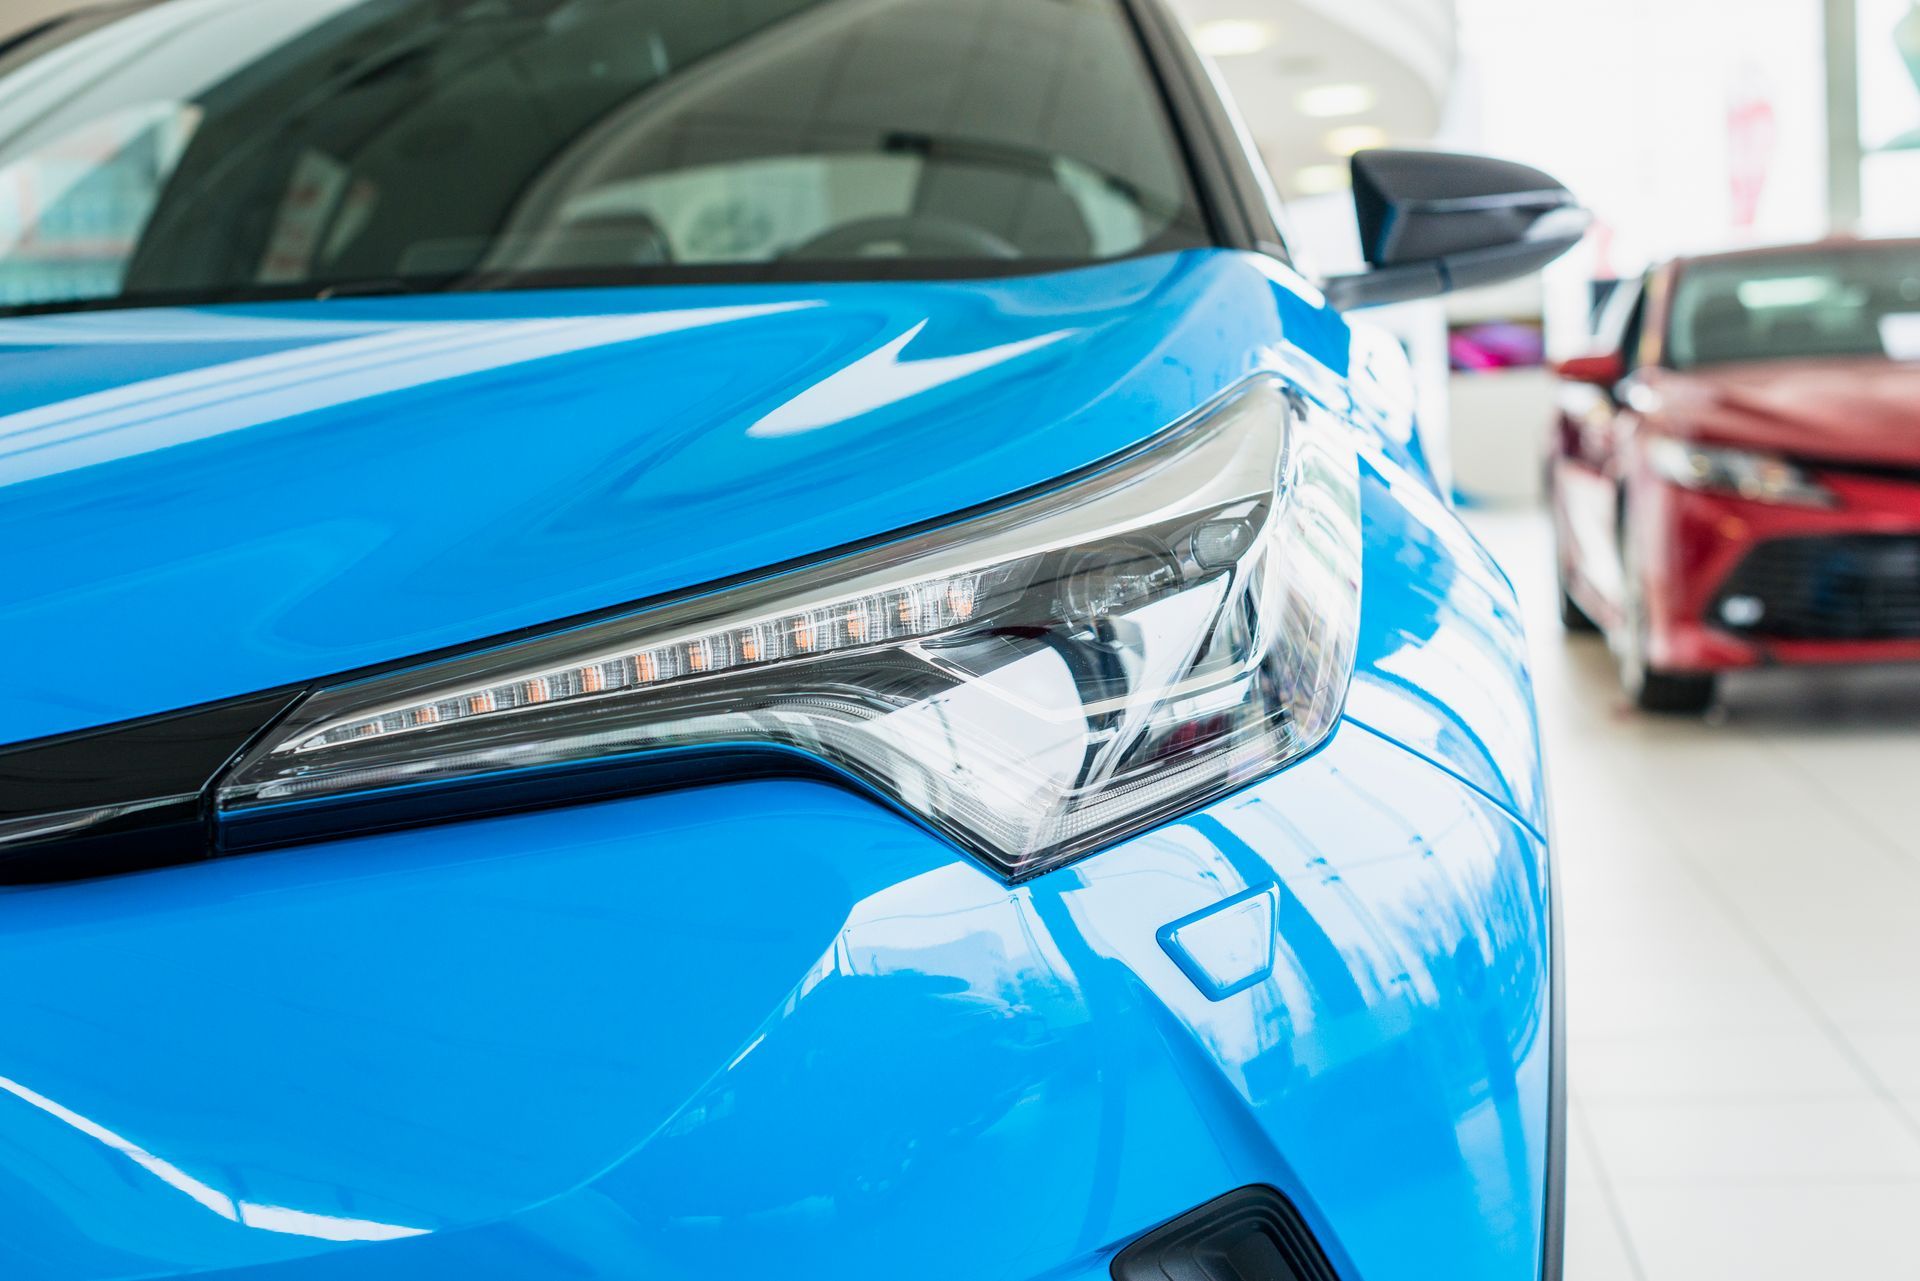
917 235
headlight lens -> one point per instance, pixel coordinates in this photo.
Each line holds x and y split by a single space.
1761 477
1034 683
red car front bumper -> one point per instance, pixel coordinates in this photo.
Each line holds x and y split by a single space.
1735 583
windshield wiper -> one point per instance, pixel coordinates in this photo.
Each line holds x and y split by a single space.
383 287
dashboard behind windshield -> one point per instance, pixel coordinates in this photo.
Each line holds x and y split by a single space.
203 150
1852 301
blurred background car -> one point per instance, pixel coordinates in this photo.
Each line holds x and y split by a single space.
1735 478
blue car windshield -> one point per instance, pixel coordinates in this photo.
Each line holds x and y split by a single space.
215 150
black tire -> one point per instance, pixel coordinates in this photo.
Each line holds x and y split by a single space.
1576 621
1668 694
1573 618
1647 688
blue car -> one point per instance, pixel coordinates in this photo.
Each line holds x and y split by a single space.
738 639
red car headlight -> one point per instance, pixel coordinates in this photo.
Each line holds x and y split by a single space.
1763 478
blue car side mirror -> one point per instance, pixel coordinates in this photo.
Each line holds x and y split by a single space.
1433 222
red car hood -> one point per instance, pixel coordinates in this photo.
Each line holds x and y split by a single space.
1846 411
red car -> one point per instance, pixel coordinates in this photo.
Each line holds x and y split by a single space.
1735 480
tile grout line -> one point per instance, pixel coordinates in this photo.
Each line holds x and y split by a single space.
1570 717
1778 966
1835 804
1814 1009
1609 1197
1781 968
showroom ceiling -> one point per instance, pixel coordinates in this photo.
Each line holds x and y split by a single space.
1315 89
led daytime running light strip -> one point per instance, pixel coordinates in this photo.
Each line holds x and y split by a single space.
908 612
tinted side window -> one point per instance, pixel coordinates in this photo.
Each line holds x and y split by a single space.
1633 332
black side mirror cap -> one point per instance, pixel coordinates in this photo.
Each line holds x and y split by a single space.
1432 222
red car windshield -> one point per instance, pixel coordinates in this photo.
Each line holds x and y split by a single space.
1847 302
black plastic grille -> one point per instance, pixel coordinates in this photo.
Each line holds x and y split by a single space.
1254 1234
1871 471
1859 587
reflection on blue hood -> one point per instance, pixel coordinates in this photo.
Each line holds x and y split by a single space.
206 502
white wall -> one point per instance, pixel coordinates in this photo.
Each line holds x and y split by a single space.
1501 422
1633 104
1890 116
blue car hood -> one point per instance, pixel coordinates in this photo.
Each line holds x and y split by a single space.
201 503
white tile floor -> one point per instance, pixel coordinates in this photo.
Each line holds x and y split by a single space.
1743 931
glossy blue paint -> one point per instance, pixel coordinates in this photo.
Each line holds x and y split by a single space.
563 1044
1443 655
1226 947
754 1027
249 496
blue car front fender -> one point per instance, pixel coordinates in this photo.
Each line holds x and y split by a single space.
773 1027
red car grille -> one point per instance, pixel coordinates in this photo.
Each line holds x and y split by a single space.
1872 471
1863 587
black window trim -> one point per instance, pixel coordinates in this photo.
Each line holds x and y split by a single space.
1232 199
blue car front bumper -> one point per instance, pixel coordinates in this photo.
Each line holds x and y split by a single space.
772 1028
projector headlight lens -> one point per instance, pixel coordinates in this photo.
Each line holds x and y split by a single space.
1034 683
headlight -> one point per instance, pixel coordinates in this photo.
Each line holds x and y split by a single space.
1034 683
1761 477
